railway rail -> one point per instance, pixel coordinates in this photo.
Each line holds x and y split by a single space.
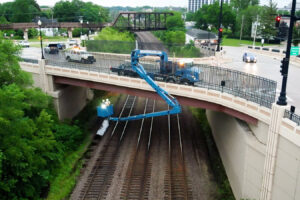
139 171
99 180
176 182
143 154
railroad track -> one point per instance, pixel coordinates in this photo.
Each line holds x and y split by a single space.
136 184
176 183
101 176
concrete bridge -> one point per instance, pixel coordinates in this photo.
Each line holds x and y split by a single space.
258 142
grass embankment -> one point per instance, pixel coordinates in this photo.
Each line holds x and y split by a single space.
238 43
63 183
224 189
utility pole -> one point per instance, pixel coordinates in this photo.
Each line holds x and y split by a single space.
256 24
286 61
220 26
241 33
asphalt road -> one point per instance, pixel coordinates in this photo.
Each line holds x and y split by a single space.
268 67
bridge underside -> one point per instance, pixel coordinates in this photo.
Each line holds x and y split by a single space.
149 94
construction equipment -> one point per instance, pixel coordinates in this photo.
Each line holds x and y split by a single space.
105 110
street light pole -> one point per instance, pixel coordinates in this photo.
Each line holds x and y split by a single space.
81 22
41 39
285 62
220 26
88 34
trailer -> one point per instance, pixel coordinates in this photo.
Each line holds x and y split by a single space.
182 72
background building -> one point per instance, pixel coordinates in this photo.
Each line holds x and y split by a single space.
194 5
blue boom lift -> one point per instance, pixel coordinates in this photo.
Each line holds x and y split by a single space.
105 110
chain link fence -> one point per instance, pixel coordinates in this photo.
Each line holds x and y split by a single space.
176 50
250 87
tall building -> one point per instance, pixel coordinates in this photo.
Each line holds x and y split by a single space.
194 5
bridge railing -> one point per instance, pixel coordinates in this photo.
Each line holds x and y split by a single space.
250 87
292 116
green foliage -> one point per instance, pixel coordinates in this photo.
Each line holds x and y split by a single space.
113 41
110 33
32 141
10 71
175 22
243 4
77 32
185 51
175 33
24 10
208 15
72 10
28 144
250 15
110 46
268 21
3 20
174 37
69 136
32 33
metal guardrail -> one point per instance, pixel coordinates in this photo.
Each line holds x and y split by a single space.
250 87
292 116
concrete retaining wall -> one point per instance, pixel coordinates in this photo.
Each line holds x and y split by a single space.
241 152
242 148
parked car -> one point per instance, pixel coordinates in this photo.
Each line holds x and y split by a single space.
24 43
52 48
249 57
78 55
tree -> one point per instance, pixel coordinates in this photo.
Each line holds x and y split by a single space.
208 15
250 15
175 22
267 20
24 10
10 71
71 11
243 4
29 149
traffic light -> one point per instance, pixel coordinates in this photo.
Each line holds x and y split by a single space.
221 30
283 68
278 18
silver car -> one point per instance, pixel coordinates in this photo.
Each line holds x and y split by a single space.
249 57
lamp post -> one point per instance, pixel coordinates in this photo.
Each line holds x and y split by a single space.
209 29
88 34
220 26
81 22
285 62
41 39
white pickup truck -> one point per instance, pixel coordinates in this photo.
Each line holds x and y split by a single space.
80 56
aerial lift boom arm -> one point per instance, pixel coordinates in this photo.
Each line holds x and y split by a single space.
170 100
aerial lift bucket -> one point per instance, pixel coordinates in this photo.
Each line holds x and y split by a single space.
105 110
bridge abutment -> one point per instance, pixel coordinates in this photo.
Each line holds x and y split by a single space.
25 31
70 100
70 33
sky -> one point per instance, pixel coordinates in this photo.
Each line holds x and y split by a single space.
155 3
